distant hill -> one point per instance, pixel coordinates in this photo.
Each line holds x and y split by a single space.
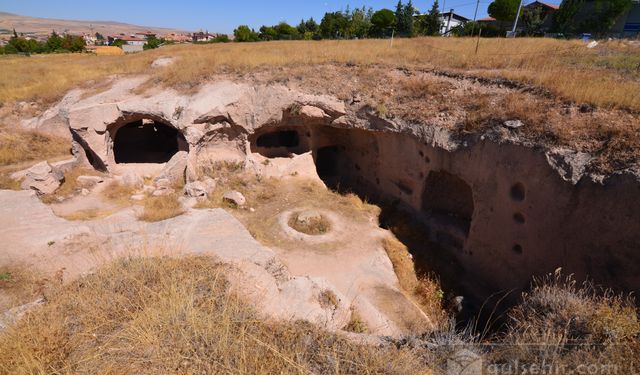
44 26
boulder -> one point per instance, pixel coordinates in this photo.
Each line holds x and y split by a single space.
161 62
234 197
132 179
42 178
312 112
174 171
198 189
513 124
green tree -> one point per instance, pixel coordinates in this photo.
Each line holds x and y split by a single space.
153 43
311 25
382 21
245 34
532 21
286 31
360 24
404 19
504 10
268 33
333 25
596 16
73 43
54 42
430 23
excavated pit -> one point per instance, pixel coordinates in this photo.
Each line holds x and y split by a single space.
485 213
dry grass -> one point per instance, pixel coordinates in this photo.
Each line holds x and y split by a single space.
162 315
161 208
567 68
356 323
573 324
118 193
19 285
426 292
89 214
19 146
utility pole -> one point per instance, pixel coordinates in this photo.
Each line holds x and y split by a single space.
475 15
515 23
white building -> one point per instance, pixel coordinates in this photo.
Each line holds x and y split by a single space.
450 20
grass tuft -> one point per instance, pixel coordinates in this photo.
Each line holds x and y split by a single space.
161 208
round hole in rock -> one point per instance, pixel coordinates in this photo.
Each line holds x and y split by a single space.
309 222
146 141
517 192
517 249
518 218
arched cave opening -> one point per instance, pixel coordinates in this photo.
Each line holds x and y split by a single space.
449 198
147 141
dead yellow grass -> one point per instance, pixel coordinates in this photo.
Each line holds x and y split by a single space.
17 146
567 68
163 315
118 193
161 208
424 291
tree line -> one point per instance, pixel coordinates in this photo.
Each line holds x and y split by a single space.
54 44
358 23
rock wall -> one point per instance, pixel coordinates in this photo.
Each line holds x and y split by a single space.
505 211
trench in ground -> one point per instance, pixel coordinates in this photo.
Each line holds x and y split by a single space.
431 235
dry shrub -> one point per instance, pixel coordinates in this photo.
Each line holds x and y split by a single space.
426 292
18 146
161 208
89 214
573 324
356 324
164 315
117 192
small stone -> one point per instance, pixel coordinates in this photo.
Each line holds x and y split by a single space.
137 197
513 124
234 197
85 192
148 189
252 209
196 189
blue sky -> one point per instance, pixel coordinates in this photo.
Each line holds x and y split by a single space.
213 15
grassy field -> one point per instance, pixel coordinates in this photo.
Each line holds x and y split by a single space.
566 68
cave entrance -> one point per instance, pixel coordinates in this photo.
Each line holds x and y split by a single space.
147 141
449 198
279 144
328 166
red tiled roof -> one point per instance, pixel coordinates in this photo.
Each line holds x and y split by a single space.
552 6
487 19
132 39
